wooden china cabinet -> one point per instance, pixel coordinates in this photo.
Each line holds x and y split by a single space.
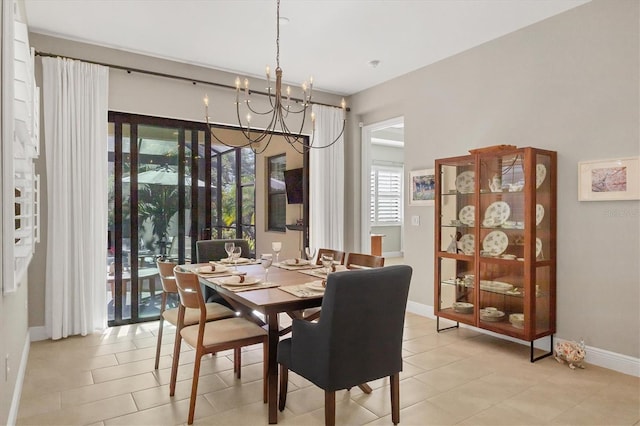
495 242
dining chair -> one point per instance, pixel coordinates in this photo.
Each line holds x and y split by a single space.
357 339
210 337
214 311
361 261
338 256
208 250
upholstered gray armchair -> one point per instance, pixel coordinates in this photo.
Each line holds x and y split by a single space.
207 250
357 339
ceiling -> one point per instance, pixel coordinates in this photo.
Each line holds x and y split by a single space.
332 40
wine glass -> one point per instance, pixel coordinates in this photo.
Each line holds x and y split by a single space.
276 246
266 260
311 253
228 247
327 262
237 251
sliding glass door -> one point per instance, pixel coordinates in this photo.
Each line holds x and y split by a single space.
168 187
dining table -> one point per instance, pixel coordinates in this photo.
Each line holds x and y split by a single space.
269 299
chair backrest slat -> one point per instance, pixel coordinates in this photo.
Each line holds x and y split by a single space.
165 269
338 256
189 289
367 260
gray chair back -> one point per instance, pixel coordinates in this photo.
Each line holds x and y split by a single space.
358 337
207 250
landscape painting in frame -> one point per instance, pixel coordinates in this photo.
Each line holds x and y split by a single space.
605 180
422 187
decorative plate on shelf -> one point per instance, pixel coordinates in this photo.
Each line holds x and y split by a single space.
491 314
465 182
497 286
467 215
467 244
539 213
541 173
496 214
463 307
538 247
495 243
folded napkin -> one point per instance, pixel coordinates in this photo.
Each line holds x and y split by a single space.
237 289
234 279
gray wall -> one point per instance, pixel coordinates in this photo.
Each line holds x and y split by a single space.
569 84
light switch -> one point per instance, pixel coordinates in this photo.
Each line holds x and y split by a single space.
415 220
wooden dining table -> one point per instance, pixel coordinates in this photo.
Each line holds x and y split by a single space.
270 302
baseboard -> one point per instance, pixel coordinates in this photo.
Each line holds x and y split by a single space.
17 390
38 333
601 357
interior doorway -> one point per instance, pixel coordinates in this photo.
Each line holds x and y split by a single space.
382 204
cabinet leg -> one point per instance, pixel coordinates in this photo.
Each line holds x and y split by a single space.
438 329
544 355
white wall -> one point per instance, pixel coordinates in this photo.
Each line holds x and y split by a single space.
569 84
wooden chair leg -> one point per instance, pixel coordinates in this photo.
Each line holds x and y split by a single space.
194 386
162 307
365 388
395 398
265 372
329 408
174 365
237 361
284 381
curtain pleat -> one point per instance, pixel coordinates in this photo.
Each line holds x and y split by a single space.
326 181
75 102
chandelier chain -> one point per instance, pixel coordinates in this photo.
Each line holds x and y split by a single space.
278 36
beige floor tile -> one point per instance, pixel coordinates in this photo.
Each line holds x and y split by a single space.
236 396
454 374
545 401
40 404
501 415
428 342
253 414
108 389
421 414
209 365
411 392
145 353
159 395
466 400
305 399
55 381
86 413
174 413
128 369
433 359
66 361
248 373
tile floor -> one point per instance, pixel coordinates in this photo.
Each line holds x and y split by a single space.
454 377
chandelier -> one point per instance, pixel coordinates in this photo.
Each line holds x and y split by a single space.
280 108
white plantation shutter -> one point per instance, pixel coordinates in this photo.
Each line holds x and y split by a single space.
386 195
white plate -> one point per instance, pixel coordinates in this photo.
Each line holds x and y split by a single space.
239 261
233 281
539 213
541 173
538 247
496 214
315 285
463 307
296 262
466 182
467 215
467 244
491 315
207 269
495 286
495 242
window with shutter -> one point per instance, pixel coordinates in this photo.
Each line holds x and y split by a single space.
386 195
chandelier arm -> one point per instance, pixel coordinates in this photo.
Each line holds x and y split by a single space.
213 135
246 131
311 146
248 105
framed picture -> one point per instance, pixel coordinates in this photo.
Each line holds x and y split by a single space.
607 180
422 187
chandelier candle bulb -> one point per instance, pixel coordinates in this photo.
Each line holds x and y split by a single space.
237 83
268 69
206 100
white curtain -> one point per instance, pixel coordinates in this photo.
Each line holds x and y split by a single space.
326 181
75 133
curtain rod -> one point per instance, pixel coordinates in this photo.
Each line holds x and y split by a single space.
175 77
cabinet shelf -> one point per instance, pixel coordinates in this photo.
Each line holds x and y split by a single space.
510 264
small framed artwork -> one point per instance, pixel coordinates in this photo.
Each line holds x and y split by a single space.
608 180
422 187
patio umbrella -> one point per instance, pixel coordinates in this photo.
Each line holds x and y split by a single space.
162 175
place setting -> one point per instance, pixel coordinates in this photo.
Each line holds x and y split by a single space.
240 281
310 289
